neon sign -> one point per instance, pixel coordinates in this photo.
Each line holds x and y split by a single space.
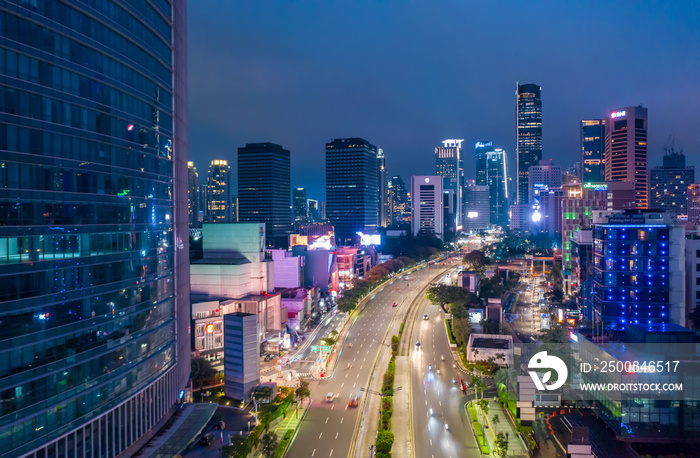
210 328
617 114
370 239
483 144
596 186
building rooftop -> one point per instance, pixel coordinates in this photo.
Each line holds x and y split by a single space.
495 342
230 261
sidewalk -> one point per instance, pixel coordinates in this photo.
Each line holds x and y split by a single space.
294 417
401 418
516 446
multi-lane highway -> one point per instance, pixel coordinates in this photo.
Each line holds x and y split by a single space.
328 428
430 390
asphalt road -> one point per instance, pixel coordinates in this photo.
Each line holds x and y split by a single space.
328 428
528 322
437 392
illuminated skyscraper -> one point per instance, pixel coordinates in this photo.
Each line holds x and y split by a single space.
544 174
193 194
313 209
264 190
668 185
427 216
449 164
299 204
94 265
496 180
383 193
529 135
592 150
352 194
626 150
218 198
398 199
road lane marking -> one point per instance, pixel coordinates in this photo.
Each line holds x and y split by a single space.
313 453
332 405
331 454
341 421
326 422
431 442
342 384
336 435
319 436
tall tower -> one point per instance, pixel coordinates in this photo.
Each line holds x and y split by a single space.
264 190
529 135
668 185
383 194
193 194
94 264
427 208
218 198
592 150
398 199
626 150
299 204
449 164
497 181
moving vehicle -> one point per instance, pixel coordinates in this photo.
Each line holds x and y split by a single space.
394 304
417 344
425 317
206 440
330 397
269 357
354 401
430 368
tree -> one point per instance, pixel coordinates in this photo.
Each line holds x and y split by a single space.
501 445
495 420
303 390
461 329
475 352
484 404
557 333
202 371
268 444
501 356
475 260
262 393
240 446
384 441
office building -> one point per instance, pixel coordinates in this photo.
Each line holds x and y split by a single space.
352 194
692 274
427 209
312 206
668 185
480 150
382 189
694 203
547 215
581 271
322 211
578 206
241 355
638 255
592 150
449 164
477 207
491 171
520 217
94 278
218 200
264 188
193 197
544 174
626 150
529 135
300 204
398 199
449 206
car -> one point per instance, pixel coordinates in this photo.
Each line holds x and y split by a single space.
269 357
425 317
330 397
206 440
417 344
394 304
406 277
354 401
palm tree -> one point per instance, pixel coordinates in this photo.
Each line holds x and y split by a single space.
501 356
201 371
262 393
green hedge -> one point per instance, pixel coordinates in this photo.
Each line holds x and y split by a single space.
284 443
400 329
472 412
254 435
449 332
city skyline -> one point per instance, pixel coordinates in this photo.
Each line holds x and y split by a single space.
301 81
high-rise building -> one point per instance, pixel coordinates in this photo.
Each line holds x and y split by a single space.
578 205
382 187
547 216
638 255
299 204
497 181
449 164
427 209
352 193
264 190
477 207
480 150
312 206
398 199
668 185
322 211
94 276
544 174
592 150
218 200
694 203
193 198
626 150
529 135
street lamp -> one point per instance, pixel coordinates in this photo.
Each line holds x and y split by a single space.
380 394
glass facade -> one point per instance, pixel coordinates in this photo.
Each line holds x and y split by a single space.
592 150
219 208
668 185
351 187
529 135
88 236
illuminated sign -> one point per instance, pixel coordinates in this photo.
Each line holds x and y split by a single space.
210 328
536 217
43 316
472 214
483 144
370 239
596 186
617 114
573 336
427 180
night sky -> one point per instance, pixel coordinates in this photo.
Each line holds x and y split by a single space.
406 75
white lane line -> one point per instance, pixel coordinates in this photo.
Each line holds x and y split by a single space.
313 453
326 421
440 402
332 405
319 436
336 435
331 454
353 385
360 368
342 384
341 421
426 402
431 441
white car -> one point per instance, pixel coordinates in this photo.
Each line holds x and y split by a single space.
425 317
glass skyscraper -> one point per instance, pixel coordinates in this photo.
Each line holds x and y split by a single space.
592 150
352 195
529 135
218 201
299 204
94 268
265 189
449 164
